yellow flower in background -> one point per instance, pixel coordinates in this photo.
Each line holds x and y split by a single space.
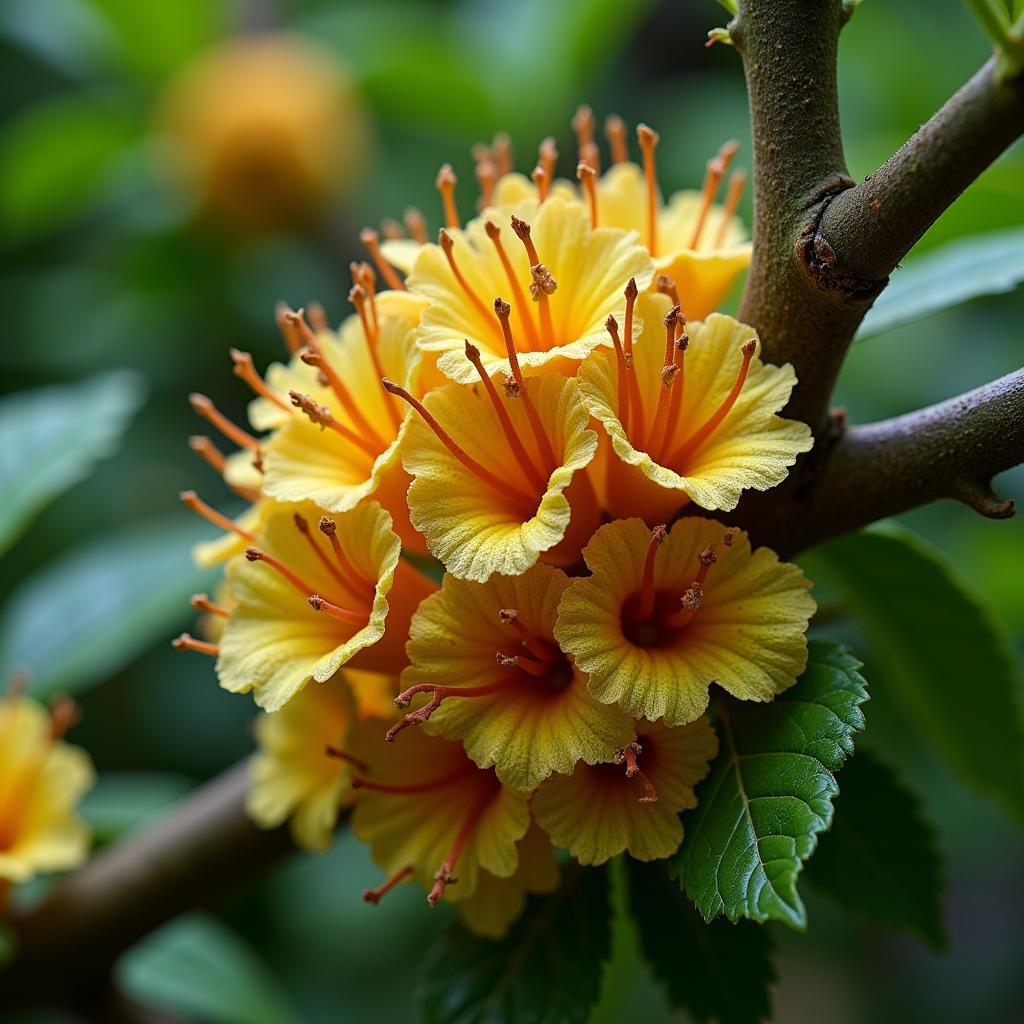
664 615
316 593
42 780
428 813
484 657
632 803
493 475
263 131
560 278
689 417
497 902
291 777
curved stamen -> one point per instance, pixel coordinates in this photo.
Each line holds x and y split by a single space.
648 139
587 177
717 167
317 317
202 405
628 756
446 182
371 240
329 528
322 416
215 459
621 370
444 875
540 177
438 694
447 244
374 896
494 234
291 339
411 789
615 133
645 605
486 178
415 224
202 603
315 601
636 409
583 126
669 372
359 592
246 369
732 202
534 644
194 502
341 392
187 642
693 596
543 283
320 604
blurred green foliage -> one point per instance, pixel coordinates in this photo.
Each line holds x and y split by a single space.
103 264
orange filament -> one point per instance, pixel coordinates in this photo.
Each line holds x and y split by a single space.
543 283
320 604
447 244
587 177
205 408
341 755
374 896
344 396
692 443
669 372
297 318
186 642
501 147
678 390
362 274
636 407
362 298
446 182
64 714
533 475
255 554
486 177
534 644
547 156
322 416
732 202
615 133
547 453
291 338
437 695
371 240
540 177
628 756
202 603
494 234
194 502
329 528
444 877
717 167
583 126
411 789
528 665
479 471
666 286
332 567
245 369
391 230
645 605
648 139
693 596
415 224
318 317
622 404
208 452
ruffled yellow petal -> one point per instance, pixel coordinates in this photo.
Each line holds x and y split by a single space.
274 642
41 782
751 448
748 635
420 829
531 727
292 776
401 252
497 902
473 529
590 267
597 813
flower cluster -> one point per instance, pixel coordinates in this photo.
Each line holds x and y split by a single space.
524 413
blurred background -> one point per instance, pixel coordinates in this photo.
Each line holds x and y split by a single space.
143 232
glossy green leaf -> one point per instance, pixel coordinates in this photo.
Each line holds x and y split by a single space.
50 439
89 612
120 802
880 859
966 269
200 969
770 790
54 159
716 970
944 661
547 970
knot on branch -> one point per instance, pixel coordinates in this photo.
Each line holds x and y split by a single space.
980 496
816 255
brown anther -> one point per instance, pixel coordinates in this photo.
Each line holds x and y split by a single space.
510 386
446 182
727 538
708 556
664 284
328 527
415 224
628 755
615 133
543 283
692 598
506 660
747 348
508 615
317 413
669 374
442 878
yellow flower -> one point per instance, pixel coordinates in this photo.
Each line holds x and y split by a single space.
312 596
493 483
485 656
429 813
292 777
632 803
264 130
41 781
690 417
562 279
497 902
662 616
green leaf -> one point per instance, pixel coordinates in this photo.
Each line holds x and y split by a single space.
717 971
730 5
121 801
880 858
966 269
770 792
54 159
947 665
50 439
547 970
93 610
199 968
